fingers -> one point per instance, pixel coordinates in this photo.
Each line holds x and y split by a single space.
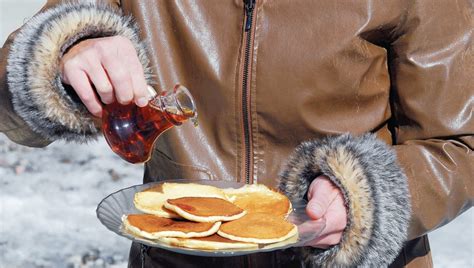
126 73
336 221
101 82
336 215
326 201
311 229
79 81
321 193
141 95
120 79
327 240
111 64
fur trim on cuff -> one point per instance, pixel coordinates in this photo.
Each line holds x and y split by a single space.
38 95
375 191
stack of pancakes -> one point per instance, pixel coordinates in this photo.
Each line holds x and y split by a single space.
205 217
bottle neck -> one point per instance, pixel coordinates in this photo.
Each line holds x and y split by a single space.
172 112
177 105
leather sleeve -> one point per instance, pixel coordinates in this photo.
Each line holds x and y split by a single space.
36 107
432 69
12 124
394 194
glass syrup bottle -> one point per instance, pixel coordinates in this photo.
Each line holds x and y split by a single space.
131 131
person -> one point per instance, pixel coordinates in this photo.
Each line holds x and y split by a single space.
364 108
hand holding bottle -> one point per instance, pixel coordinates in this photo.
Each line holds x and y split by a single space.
111 66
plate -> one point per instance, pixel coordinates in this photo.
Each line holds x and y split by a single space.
111 209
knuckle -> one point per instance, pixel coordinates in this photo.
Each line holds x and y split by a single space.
107 51
140 88
115 42
127 96
121 75
141 94
98 45
90 55
107 100
124 96
104 88
95 109
322 200
70 64
109 61
123 86
102 48
87 98
128 47
123 100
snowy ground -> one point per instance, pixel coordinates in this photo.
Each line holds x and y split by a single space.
47 205
48 198
47 209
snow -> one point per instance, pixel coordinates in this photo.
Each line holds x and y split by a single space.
48 199
453 245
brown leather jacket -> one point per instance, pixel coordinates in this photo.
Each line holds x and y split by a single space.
269 76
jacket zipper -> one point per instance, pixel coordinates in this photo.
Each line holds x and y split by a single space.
249 8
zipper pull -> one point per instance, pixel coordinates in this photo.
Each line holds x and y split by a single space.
249 6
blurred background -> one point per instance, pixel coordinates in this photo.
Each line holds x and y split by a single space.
48 197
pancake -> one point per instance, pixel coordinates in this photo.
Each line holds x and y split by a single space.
257 198
213 242
204 209
151 200
153 227
258 228
292 240
176 190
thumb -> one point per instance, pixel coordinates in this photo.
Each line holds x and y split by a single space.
316 207
318 200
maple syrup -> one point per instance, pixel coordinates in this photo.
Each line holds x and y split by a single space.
131 131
